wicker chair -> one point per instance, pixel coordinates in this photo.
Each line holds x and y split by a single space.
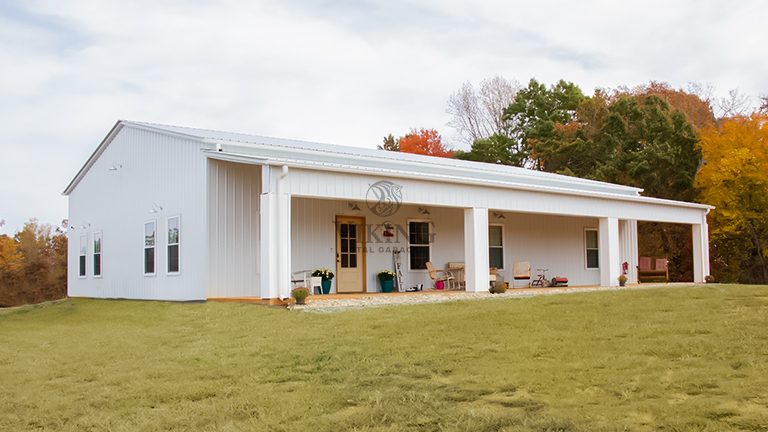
446 276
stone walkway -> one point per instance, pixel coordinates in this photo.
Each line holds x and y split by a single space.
334 305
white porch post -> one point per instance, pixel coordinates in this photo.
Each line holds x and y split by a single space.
275 228
629 251
476 249
700 250
610 264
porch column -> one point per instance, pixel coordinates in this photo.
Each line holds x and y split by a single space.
610 264
476 249
629 251
701 250
275 228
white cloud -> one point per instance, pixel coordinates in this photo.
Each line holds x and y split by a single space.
339 71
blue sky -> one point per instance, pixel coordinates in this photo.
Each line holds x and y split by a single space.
342 72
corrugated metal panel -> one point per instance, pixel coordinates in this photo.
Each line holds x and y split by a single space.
314 241
234 191
151 168
326 184
553 242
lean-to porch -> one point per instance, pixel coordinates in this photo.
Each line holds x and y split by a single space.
269 221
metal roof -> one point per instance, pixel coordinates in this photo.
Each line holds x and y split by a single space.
373 160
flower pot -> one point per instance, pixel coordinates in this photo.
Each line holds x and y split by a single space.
387 285
326 286
439 285
301 301
622 283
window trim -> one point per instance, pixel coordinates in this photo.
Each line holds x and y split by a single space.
82 257
503 253
168 245
430 225
144 249
586 249
100 254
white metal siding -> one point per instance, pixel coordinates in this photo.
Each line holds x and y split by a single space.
156 169
326 184
554 242
313 238
551 242
234 191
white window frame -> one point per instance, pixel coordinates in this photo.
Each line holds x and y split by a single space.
503 252
100 234
144 249
168 245
430 224
586 249
82 257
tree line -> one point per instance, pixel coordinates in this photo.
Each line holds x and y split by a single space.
677 144
33 265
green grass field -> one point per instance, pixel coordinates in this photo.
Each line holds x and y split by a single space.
671 359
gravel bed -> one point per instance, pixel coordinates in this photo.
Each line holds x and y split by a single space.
335 305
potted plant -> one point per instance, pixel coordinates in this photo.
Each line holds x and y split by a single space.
622 280
387 280
327 277
300 294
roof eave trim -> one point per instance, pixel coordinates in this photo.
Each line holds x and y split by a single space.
96 153
576 182
160 130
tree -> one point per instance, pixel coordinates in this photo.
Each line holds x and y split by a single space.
498 149
734 179
734 104
40 269
425 142
537 113
10 257
477 115
648 146
696 103
390 144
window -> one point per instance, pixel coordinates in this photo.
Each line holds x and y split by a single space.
348 238
173 244
496 246
591 241
149 248
418 234
97 254
81 261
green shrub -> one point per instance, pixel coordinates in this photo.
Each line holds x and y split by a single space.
498 288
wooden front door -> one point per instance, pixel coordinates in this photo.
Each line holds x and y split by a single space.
350 254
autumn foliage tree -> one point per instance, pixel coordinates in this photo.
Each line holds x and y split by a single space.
33 265
424 142
734 179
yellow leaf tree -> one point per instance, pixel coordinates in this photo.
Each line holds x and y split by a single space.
734 179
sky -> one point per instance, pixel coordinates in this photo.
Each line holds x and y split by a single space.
343 72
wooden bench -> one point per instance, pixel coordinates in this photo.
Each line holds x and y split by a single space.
659 272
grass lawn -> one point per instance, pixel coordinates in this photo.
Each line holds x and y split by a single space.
672 359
